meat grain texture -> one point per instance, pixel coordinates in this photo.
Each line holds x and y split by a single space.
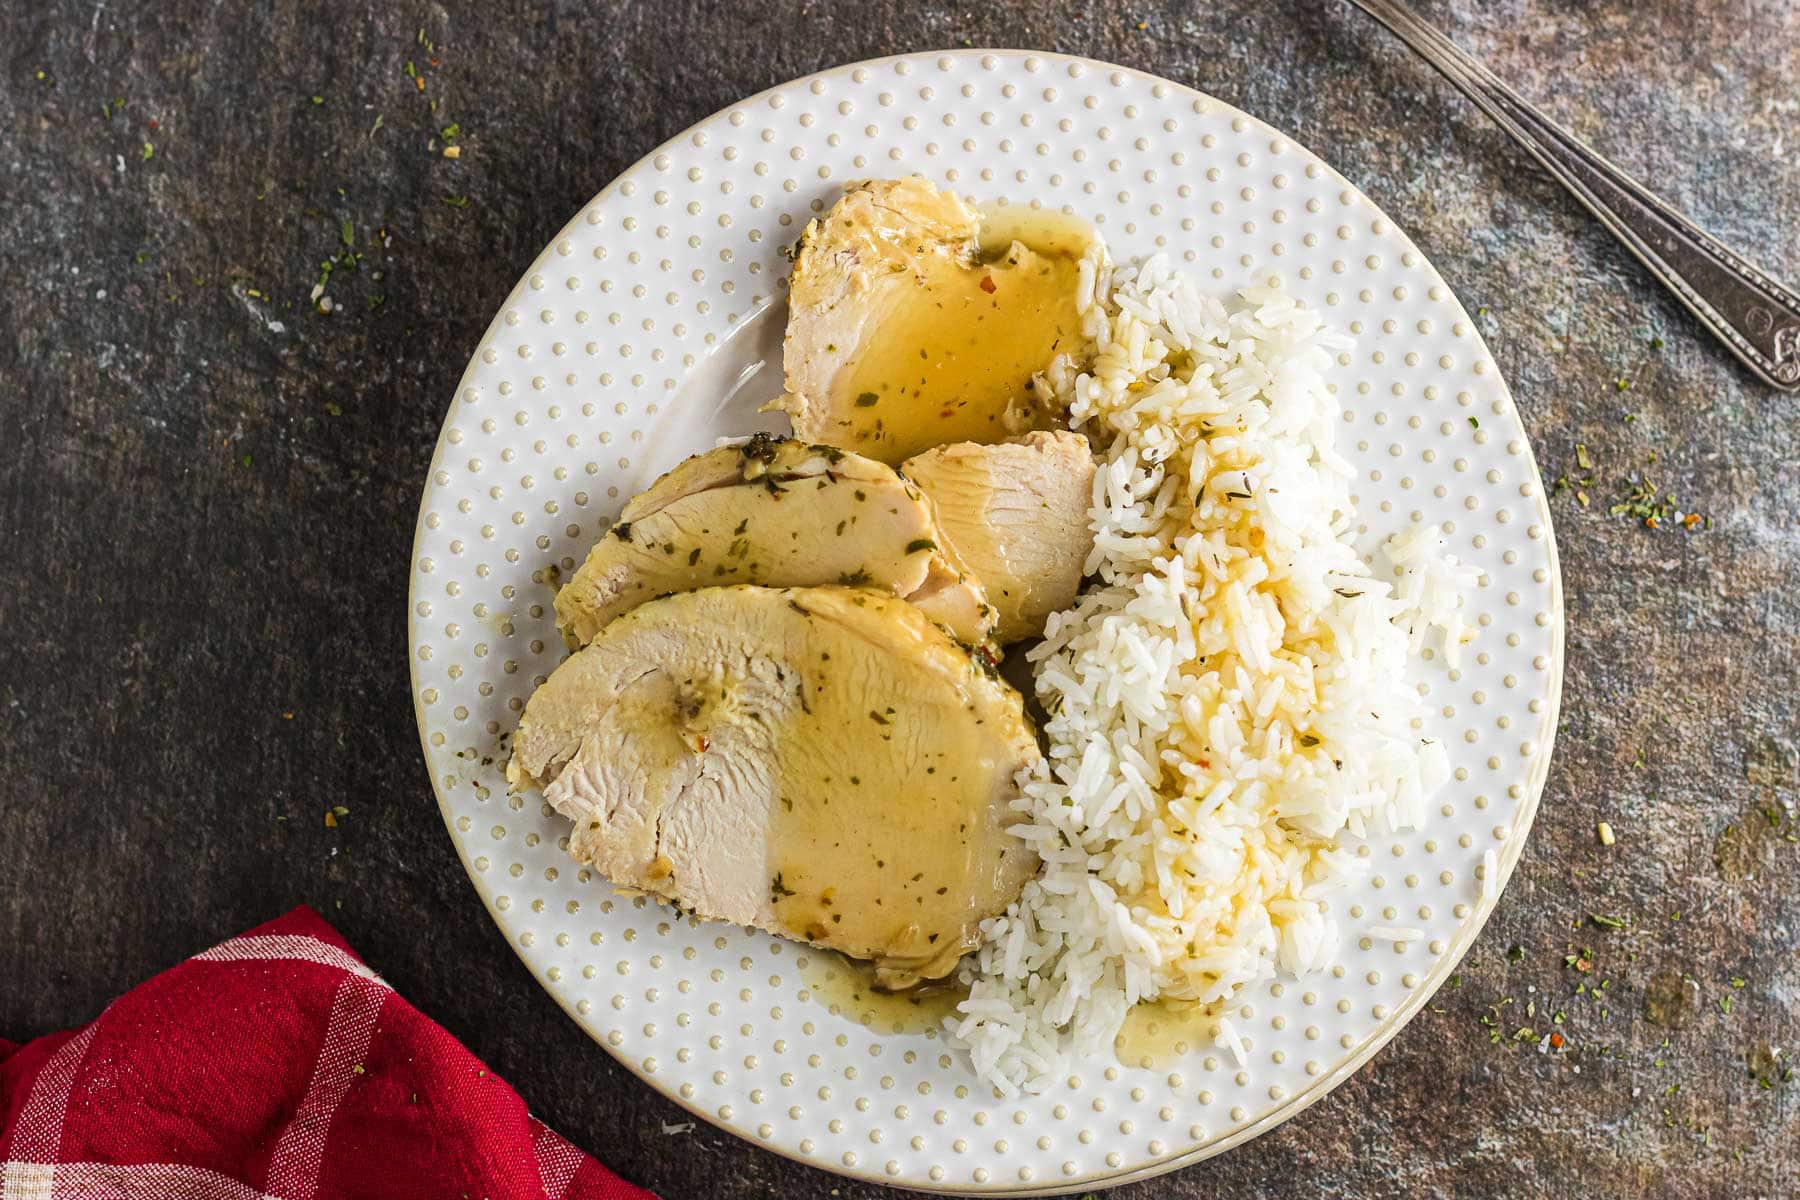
777 513
824 763
906 332
1016 517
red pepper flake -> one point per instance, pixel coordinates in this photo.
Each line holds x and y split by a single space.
988 285
1556 1041
153 125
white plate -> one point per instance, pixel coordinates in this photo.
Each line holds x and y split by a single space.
607 364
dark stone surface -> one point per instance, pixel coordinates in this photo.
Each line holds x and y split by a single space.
207 493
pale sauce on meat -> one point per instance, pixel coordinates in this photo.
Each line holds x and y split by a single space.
953 361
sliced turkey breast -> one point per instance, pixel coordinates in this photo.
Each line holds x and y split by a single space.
1015 516
905 332
823 763
777 512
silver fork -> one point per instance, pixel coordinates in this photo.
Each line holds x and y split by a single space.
1756 317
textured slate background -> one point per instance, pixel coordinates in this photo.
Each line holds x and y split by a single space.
207 492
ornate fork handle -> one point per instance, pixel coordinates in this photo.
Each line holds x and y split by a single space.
1756 317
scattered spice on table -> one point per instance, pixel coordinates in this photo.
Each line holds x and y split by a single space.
1645 501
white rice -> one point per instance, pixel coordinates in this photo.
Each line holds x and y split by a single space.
1395 933
1232 1041
1227 699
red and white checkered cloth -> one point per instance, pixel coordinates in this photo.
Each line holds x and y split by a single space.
275 1066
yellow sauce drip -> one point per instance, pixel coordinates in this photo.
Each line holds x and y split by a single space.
847 988
1159 1033
953 359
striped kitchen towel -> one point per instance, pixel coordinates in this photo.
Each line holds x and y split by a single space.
275 1066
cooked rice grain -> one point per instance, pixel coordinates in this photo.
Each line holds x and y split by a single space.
1227 700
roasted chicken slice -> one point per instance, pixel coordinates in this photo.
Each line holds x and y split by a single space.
823 763
1015 516
776 512
906 330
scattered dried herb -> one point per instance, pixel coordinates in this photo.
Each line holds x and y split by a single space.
1645 501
